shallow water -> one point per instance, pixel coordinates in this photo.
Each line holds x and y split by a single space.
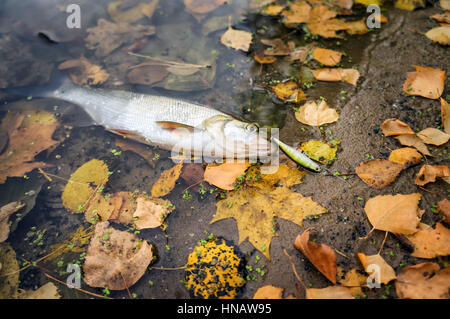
235 84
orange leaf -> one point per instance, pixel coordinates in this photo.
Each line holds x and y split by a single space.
268 292
151 212
261 58
327 57
320 255
386 273
433 136
298 12
429 173
414 141
445 115
423 281
395 213
429 242
350 76
289 92
405 156
237 39
391 127
425 81
315 114
444 209
378 173
332 292
224 175
166 182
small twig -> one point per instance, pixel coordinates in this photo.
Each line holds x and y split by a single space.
79 289
195 184
367 236
382 244
45 174
341 253
426 190
293 268
126 286
163 268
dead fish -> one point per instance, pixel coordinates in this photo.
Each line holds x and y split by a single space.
168 123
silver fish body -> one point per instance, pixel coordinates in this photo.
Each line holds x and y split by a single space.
202 130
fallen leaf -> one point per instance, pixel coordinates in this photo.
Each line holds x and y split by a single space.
405 156
261 58
115 259
350 76
353 280
166 182
332 292
28 137
327 28
151 212
261 198
423 281
445 4
147 74
391 127
399 214
444 210
431 243
429 173
47 291
224 175
5 212
315 114
320 151
386 272
268 292
133 14
433 136
84 73
409 5
327 57
414 141
9 272
108 36
442 17
199 8
440 35
237 39
356 27
142 150
277 47
320 255
78 189
289 92
369 2
99 208
298 54
272 9
425 81
378 173
221 268
124 213
298 12
445 115
192 174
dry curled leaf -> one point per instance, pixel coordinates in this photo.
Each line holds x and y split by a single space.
224 175
378 173
166 182
433 136
320 255
414 141
423 281
84 73
115 259
405 156
315 114
399 214
429 173
431 243
425 81
374 263
237 39
350 76
442 17
327 57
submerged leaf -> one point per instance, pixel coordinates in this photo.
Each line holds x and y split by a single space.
115 259
166 182
84 73
237 39
289 92
47 291
224 175
9 272
320 151
151 212
5 212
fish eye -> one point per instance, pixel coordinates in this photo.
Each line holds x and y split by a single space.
252 127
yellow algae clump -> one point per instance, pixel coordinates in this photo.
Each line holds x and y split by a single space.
79 188
213 270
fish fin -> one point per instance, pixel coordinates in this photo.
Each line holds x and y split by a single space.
126 133
171 126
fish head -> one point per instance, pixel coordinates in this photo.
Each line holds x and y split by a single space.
238 139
